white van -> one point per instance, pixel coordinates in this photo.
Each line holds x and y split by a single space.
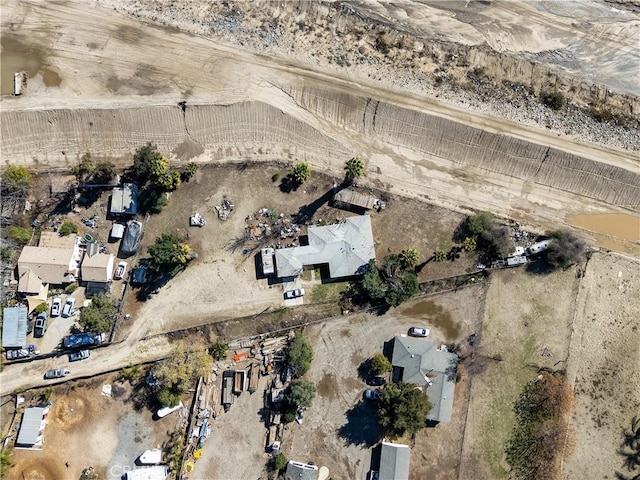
67 311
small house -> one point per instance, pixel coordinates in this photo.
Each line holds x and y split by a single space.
97 272
433 369
32 426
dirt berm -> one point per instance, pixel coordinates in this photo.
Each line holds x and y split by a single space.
319 126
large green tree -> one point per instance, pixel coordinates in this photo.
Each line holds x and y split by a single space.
380 364
565 248
299 355
16 180
99 316
492 239
395 282
298 395
177 372
402 408
169 255
354 168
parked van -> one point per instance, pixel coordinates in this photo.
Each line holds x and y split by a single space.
68 310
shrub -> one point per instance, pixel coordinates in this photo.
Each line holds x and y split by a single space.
552 99
19 235
219 350
601 114
275 177
40 308
280 461
67 228
16 180
301 173
380 364
72 287
299 355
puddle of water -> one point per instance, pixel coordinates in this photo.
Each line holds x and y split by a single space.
16 56
615 231
434 315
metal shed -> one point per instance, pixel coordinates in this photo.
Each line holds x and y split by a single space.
32 427
14 327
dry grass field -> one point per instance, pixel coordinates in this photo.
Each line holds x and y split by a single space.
525 316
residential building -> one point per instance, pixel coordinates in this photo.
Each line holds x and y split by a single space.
433 369
48 265
97 272
345 247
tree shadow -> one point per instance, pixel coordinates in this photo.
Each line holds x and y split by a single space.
362 426
142 396
288 184
364 370
539 267
306 212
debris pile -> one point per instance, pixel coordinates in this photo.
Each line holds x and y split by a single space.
196 220
266 223
225 209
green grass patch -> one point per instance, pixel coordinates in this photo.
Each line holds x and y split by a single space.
327 292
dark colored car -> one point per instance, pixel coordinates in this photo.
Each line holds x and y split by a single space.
56 373
81 355
372 394
41 325
376 381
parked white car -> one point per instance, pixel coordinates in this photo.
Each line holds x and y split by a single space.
56 306
68 309
120 270
419 332
298 292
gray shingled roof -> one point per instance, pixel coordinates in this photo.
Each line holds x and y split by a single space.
346 247
421 362
14 327
394 461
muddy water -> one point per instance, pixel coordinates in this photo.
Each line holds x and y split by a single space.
615 231
433 315
16 56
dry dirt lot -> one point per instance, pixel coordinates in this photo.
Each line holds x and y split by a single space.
604 365
87 429
524 313
221 283
340 429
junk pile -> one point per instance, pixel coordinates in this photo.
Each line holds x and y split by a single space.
196 220
225 209
267 223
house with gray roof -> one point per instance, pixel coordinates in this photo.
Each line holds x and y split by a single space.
14 327
433 369
346 248
394 461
